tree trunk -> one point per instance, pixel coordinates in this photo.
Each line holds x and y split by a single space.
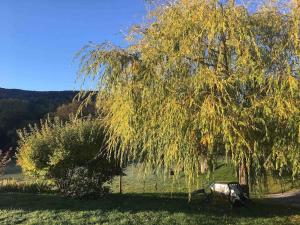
203 166
120 184
243 176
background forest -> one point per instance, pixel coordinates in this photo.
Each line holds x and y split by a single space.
18 108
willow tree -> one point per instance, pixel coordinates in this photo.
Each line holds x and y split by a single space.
203 79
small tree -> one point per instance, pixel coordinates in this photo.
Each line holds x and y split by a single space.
65 111
72 154
5 158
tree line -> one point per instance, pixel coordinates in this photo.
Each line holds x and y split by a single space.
18 108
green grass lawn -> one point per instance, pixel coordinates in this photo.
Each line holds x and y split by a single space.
22 208
146 200
136 182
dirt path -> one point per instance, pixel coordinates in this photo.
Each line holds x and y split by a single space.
287 198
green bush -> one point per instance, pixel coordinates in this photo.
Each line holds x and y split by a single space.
55 150
80 183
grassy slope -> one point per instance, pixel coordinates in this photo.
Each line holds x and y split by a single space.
136 182
141 204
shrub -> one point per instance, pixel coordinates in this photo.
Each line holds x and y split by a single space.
13 185
80 183
4 160
71 153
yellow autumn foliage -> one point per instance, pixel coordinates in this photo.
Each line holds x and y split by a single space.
204 79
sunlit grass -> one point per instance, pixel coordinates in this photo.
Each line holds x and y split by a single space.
136 181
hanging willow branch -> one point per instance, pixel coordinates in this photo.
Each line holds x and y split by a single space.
204 80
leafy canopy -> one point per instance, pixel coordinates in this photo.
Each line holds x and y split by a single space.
200 80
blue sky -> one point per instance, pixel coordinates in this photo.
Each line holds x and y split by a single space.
39 38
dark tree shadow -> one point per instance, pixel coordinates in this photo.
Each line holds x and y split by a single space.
220 165
143 202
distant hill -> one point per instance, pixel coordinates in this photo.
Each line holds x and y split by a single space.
32 95
18 108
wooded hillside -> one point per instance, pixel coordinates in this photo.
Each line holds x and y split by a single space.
18 108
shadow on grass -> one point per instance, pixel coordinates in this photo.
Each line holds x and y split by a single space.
140 203
220 166
286 199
